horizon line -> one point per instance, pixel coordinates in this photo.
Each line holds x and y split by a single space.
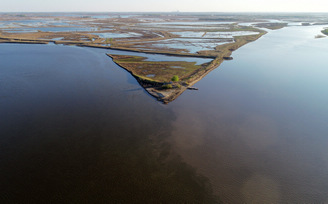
164 12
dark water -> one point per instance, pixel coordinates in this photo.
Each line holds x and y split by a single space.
76 128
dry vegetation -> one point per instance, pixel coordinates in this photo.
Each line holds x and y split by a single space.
272 26
156 77
140 34
161 72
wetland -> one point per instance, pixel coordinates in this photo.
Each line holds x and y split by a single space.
77 128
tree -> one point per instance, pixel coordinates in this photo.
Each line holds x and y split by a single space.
175 78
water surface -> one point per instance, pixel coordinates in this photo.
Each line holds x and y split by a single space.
257 127
74 126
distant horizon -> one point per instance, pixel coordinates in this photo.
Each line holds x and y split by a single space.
184 6
142 12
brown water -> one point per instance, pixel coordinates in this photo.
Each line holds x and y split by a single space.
76 128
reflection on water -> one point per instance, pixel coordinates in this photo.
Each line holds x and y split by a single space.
260 189
49 29
117 35
257 127
76 127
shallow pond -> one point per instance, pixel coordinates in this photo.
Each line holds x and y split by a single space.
117 35
191 34
194 23
189 44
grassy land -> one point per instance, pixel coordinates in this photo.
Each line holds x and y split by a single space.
154 76
225 50
272 26
160 72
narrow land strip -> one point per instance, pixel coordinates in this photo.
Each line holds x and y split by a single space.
160 86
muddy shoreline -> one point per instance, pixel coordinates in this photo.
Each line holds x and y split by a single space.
168 95
221 53
83 44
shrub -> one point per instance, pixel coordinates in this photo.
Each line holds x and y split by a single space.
167 86
107 41
175 78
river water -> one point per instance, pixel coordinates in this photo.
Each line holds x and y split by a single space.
77 128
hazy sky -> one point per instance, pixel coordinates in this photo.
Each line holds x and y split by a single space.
166 5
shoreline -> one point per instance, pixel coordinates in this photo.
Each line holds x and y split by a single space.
220 54
168 95
84 44
163 96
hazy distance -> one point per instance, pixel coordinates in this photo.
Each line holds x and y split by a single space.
164 6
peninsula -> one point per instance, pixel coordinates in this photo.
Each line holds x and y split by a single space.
179 35
167 80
